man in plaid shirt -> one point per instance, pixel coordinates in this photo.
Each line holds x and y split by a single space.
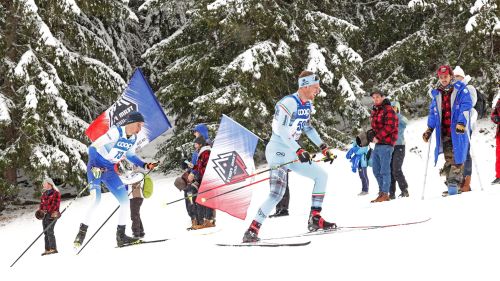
384 122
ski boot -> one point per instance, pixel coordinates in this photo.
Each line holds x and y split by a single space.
122 238
251 235
80 236
317 222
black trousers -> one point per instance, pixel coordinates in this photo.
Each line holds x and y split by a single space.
50 238
285 201
196 211
135 215
398 156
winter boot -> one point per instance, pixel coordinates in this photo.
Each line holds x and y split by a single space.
382 196
392 196
251 235
465 186
362 193
206 223
81 235
404 193
317 222
122 238
50 252
496 181
280 213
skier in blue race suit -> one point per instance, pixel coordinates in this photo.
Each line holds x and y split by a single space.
293 117
105 153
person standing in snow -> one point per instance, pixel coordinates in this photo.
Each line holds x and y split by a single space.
292 117
205 215
449 115
359 157
459 74
495 117
398 156
384 123
105 153
48 212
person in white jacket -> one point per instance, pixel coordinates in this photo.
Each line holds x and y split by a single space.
459 74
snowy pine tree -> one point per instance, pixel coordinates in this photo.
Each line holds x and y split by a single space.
62 65
240 57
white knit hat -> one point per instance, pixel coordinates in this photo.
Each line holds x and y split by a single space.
458 71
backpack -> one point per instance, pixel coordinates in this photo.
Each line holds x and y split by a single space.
148 187
480 106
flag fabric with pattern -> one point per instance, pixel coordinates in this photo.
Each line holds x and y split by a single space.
229 166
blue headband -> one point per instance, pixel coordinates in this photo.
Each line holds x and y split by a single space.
308 80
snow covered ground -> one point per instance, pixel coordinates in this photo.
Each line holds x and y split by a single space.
460 242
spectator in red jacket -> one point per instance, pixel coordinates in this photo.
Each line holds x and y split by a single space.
205 215
48 212
384 122
495 117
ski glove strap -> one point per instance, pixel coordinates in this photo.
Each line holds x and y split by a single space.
304 156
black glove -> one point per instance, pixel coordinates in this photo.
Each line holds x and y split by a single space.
370 135
39 214
460 128
427 134
304 156
495 119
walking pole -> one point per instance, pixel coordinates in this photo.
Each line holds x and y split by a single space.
427 165
54 221
95 233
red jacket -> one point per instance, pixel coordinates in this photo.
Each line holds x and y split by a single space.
385 123
51 199
201 163
495 114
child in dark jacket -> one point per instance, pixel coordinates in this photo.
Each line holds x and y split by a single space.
48 212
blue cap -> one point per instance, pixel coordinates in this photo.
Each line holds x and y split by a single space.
133 117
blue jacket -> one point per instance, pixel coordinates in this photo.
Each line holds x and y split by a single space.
461 104
358 156
401 129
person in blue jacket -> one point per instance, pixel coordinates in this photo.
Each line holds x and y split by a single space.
105 153
398 156
359 157
449 117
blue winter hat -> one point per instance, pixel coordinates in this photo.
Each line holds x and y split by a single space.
133 117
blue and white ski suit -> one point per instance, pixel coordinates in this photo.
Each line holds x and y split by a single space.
104 153
292 117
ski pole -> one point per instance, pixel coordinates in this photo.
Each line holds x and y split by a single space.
54 221
241 187
116 209
233 190
426 166
235 181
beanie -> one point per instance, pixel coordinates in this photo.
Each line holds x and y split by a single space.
49 181
396 105
458 71
133 117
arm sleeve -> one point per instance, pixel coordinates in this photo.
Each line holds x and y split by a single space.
465 106
284 113
132 157
431 118
312 134
495 111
